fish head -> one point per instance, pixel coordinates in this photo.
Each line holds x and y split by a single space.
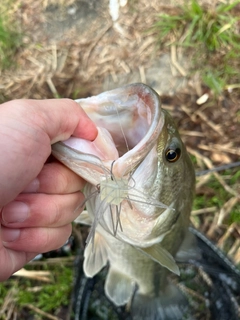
175 185
161 191
140 178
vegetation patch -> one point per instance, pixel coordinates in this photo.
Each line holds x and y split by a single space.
38 295
213 35
10 38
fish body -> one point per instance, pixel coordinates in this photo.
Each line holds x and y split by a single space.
139 197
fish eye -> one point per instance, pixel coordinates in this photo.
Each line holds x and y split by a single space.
173 154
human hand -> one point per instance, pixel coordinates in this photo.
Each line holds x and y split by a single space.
38 200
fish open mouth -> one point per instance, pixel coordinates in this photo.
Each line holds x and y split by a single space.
129 121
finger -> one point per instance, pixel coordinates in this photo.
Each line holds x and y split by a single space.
11 261
35 239
42 210
56 178
27 133
65 119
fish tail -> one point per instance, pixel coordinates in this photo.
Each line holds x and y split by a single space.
169 304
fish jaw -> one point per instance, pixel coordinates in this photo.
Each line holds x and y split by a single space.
132 116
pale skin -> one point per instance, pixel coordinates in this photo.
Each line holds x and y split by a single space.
38 200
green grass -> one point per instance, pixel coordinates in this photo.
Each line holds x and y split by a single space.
52 296
213 36
213 195
217 196
49 298
212 28
10 38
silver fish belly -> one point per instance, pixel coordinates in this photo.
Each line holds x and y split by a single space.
139 197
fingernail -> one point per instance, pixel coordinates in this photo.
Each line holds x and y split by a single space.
9 235
15 211
32 187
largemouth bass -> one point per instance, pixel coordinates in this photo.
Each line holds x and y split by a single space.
138 198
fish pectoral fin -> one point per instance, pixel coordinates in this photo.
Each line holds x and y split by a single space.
118 287
84 218
188 249
95 256
161 256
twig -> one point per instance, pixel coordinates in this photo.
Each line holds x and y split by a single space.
175 62
10 310
125 66
43 313
217 147
191 133
146 44
34 289
209 164
142 74
204 210
205 277
54 55
52 88
114 76
226 209
63 260
212 125
232 86
94 43
235 250
203 180
188 112
8 303
36 275
191 292
226 235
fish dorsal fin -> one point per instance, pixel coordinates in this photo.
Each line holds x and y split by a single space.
95 256
118 287
84 218
161 256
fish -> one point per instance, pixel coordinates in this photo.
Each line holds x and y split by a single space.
139 193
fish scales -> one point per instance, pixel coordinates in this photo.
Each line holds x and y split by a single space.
139 197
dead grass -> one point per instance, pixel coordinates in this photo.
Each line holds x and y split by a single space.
211 133
63 64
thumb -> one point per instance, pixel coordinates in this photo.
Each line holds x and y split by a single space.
63 118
